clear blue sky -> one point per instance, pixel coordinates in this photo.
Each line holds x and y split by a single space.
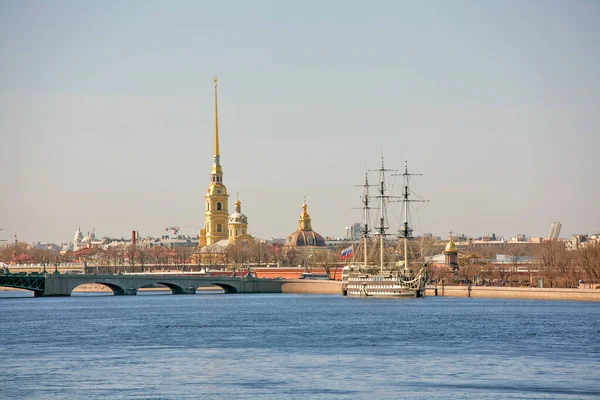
106 112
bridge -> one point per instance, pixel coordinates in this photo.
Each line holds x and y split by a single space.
63 284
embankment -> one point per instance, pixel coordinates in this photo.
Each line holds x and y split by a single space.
515 293
312 286
289 286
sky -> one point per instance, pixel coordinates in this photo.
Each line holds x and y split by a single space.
106 113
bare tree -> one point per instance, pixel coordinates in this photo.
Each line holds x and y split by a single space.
588 259
142 255
553 261
129 253
258 252
182 256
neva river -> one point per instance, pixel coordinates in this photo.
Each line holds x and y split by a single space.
296 347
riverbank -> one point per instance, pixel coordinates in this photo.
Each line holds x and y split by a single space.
514 292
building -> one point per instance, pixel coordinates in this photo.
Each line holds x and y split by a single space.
220 229
451 254
353 232
238 225
304 237
554 230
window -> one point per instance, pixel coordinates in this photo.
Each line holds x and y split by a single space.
219 227
219 206
237 232
243 232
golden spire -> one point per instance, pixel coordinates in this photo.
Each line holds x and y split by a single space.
304 220
238 203
216 168
216 144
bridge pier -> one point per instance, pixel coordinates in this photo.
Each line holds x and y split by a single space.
190 290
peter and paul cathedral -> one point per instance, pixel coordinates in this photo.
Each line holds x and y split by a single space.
219 227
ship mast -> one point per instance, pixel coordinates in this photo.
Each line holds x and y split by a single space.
382 197
366 216
406 231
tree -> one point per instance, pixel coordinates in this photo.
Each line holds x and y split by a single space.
161 255
111 259
470 266
182 254
120 258
129 252
258 252
291 257
588 260
142 255
438 273
553 261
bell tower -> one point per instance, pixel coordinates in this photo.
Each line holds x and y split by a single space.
215 213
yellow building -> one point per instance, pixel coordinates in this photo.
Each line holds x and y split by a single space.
218 225
238 225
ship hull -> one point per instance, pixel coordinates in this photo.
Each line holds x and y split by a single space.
357 285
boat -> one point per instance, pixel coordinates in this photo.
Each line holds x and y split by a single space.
405 280
314 276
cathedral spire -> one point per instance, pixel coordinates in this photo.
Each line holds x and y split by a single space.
216 168
216 139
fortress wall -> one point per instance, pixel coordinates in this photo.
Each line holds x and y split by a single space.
516 293
312 286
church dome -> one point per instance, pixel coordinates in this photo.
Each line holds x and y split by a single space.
237 217
450 247
78 235
305 238
304 235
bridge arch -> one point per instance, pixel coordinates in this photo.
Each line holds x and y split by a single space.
228 289
175 289
116 289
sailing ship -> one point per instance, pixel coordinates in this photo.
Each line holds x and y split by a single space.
368 280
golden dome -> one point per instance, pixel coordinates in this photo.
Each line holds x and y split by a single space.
450 247
304 235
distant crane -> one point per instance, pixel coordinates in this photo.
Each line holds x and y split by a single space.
175 230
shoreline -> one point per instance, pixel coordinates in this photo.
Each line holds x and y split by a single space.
525 293
334 287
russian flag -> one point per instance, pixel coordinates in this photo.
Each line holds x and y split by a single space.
347 252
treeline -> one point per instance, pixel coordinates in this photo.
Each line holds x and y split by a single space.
552 262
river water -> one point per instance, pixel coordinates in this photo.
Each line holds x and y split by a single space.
296 347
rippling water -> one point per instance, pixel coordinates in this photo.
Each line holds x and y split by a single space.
296 346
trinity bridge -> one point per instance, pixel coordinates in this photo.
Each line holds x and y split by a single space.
63 284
